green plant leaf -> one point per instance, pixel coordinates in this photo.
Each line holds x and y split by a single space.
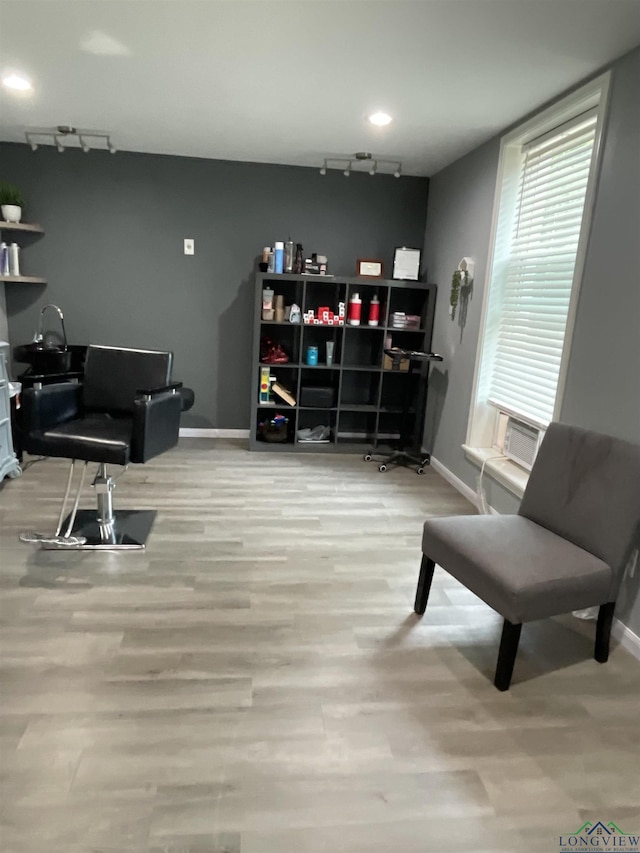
10 194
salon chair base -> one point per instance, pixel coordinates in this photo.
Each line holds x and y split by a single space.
129 530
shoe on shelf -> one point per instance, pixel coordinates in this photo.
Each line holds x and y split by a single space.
271 353
318 435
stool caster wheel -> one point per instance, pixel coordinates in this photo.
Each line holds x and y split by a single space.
420 470
382 468
367 457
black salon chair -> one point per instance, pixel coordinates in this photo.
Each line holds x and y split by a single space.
125 410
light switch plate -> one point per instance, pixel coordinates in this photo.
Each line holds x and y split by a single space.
189 246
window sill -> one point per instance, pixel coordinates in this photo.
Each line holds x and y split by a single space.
504 471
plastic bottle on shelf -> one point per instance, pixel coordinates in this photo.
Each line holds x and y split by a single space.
289 255
4 259
298 264
374 311
354 310
14 259
279 257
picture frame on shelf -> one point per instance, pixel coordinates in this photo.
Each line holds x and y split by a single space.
369 268
406 264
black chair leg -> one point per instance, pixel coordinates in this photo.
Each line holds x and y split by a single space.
424 585
603 631
507 654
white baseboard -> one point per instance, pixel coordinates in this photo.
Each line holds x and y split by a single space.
190 432
456 482
627 639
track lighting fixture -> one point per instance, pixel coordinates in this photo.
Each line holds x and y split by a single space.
73 138
355 162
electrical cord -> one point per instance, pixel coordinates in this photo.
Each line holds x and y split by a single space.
483 506
31 462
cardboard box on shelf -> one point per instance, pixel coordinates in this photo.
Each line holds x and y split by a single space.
387 364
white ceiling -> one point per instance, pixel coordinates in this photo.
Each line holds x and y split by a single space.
291 82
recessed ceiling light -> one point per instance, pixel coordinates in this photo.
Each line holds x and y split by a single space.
15 81
380 119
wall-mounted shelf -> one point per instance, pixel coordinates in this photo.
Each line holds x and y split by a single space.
23 279
32 228
27 230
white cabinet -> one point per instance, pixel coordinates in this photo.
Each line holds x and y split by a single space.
9 466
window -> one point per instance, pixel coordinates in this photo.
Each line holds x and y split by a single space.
541 219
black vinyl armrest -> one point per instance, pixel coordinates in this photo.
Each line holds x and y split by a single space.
156 421
46 407
150 392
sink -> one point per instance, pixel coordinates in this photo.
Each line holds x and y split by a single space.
44 359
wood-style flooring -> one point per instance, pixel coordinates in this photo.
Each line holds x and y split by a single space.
256 681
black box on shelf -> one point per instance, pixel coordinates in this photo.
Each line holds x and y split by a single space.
321 397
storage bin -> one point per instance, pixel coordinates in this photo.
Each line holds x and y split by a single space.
322 397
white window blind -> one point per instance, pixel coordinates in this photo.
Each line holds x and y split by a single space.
534 263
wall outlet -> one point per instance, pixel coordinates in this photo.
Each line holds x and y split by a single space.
189 246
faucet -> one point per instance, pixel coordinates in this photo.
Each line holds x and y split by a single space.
39 336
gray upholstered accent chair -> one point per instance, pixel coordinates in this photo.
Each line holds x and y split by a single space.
566 548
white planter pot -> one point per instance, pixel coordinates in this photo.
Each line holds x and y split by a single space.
11 213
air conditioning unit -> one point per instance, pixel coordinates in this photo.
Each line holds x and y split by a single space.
521 442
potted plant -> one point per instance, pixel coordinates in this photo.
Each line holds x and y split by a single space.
11 202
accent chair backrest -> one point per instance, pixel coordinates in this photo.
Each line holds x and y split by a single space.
585 487
113 375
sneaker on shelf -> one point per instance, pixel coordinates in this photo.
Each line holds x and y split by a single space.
271 353
318 435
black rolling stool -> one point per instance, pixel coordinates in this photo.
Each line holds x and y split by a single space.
413 455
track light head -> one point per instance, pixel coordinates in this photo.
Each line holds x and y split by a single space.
323 168
374 168
34 147
60 147
112 149
396 174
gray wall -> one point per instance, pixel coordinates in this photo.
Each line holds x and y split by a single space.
603 380
113 254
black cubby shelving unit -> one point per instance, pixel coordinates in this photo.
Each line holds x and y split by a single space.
368 399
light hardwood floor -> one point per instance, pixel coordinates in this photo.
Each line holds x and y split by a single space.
256 681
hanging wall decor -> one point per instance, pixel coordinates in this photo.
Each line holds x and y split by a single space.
462 278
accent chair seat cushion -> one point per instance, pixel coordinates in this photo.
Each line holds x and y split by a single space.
519 568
